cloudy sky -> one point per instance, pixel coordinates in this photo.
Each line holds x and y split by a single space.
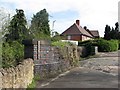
94 14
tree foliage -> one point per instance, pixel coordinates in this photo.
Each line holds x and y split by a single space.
17 29
40 24
12 48
107 32
112 33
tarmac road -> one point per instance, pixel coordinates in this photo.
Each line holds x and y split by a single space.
100 72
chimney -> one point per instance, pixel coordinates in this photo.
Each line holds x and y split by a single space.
78 22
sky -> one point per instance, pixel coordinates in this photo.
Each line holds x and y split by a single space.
95 14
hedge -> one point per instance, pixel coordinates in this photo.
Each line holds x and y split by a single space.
119 44
107 45
103 45
89 47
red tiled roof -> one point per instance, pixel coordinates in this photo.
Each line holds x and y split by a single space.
95 33
75 29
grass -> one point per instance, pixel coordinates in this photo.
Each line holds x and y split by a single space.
34 83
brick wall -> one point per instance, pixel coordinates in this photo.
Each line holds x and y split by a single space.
50 60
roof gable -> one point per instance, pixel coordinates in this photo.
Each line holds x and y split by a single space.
75 29
72 30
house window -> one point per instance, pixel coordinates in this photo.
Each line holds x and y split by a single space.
69 37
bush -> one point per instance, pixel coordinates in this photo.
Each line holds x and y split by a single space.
56 38
12 54
107 46
60 44
7 56
103 45
119 44
82 43
18 51
89 47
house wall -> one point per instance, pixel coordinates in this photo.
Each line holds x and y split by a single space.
85 38
77 37
73 37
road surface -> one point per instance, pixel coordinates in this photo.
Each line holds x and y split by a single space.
100 72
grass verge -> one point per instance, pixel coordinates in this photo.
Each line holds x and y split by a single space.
34 83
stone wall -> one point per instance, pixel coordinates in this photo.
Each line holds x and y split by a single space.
62 59
50 60
19 76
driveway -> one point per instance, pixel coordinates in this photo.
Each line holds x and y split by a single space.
100 72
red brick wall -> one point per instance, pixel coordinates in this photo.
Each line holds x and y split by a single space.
76 38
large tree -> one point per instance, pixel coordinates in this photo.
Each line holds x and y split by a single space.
17 30
40 24
4 22
112 34
117 33
107 32
116 26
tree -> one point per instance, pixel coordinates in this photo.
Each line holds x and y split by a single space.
112 34
56 36
12 48
117 30
107 32
116 26
85 27
17 30
4 22
40 24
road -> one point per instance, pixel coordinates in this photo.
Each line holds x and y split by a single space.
100 72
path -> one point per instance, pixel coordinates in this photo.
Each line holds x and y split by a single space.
101 72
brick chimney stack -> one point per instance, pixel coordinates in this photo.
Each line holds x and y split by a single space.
78 22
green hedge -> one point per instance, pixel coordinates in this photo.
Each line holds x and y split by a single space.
82 43
119 44
89 47
103 45
107 45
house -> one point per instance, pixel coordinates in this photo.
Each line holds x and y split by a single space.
95 33
77 33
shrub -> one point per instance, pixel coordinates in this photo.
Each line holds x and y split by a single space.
60 44
107 46
89 47
12 54
18 51
56 38
7 56
119 44
82 43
